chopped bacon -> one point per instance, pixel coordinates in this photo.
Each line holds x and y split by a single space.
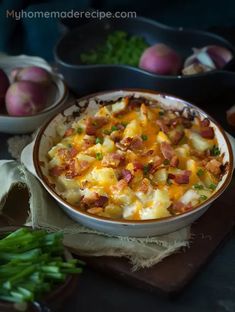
120 186
182 178
68 132
137 165
176 136
134 144
94 200
113 159
75 168
179 207
88 141
207 133
116 136
56 171
163 125
127 176
180 120
95 123
205 122
148 153
214 166
174 162
155 163
144 186
67 153
167 150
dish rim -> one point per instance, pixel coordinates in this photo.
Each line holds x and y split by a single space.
47 186
143 71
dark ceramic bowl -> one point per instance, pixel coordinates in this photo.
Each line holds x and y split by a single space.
51 301
84 79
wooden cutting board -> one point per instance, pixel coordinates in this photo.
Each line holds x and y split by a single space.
174 272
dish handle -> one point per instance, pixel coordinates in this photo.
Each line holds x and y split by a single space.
27 158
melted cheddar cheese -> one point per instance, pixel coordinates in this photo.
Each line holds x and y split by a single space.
135 160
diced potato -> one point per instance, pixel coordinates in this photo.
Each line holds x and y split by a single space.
103 112
160 176
132 129
199 143
55 161
132 211
160 201
65 183
108 145
162 137
208 179
182 151
93 150
190 196
72 196
192 166
115 211
53 151
84 157
119 106
104 176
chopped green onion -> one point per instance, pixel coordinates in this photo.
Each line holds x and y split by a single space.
203 197
144 137
69 145
198 187
161 113
200 172
212 186
99 140
106 131
114 128
215 151
146 169
99 156
79 130
166 162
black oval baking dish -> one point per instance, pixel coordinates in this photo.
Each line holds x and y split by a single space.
83 79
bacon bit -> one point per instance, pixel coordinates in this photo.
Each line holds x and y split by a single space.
137 166
181 121
163 126
174 162
72 169
120 186
95 123
120 126
214 166
73 152
155 163
167 150
144 187
149 153
113 159
95 200
95 210
171 176
177 136
56 171
205 122
183 178
133 144
116 136
88 141
179 207
207 133
127 176
68 132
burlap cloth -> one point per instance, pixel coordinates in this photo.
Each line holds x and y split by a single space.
44 213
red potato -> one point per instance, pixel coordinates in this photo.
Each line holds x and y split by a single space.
160 59
25 98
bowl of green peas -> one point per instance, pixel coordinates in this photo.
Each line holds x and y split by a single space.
36 272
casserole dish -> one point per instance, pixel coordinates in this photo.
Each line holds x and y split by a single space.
48 137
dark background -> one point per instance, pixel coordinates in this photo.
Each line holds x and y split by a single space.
38 36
